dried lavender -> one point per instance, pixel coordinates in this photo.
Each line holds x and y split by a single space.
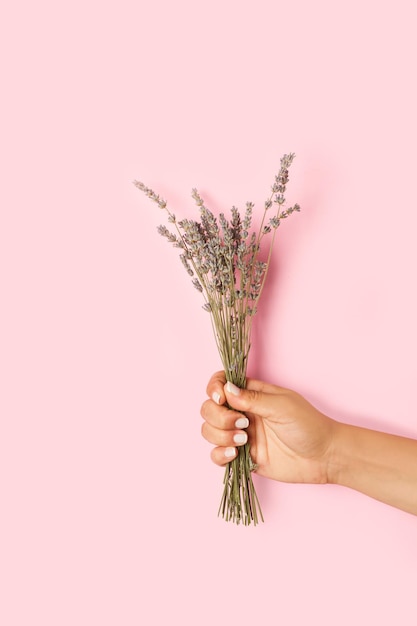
223 259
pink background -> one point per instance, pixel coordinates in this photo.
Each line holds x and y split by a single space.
108 497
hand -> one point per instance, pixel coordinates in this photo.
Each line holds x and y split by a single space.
290 440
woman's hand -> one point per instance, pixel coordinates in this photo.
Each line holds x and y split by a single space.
293 442
290 440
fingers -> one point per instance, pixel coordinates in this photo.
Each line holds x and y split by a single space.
223 438
222 417
223 428
222 456
256 398
215 387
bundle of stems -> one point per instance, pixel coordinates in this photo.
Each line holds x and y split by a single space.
223 259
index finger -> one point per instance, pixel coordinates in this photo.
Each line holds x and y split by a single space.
215 387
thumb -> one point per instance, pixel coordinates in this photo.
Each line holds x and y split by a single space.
249 400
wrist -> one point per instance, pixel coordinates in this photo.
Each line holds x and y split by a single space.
338 456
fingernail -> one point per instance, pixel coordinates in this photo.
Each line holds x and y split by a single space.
242 422
240 438
229 452
216 397
231 388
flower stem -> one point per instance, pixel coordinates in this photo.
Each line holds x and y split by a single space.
239 503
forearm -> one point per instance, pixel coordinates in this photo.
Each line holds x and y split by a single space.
380 465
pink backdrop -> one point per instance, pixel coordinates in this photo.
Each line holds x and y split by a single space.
108 497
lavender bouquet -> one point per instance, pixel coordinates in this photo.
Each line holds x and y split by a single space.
224 261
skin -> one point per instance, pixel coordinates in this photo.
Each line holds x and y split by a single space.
291 441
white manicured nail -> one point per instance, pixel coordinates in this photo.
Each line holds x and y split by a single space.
240 438
216 397
242 422
231 388
229 452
